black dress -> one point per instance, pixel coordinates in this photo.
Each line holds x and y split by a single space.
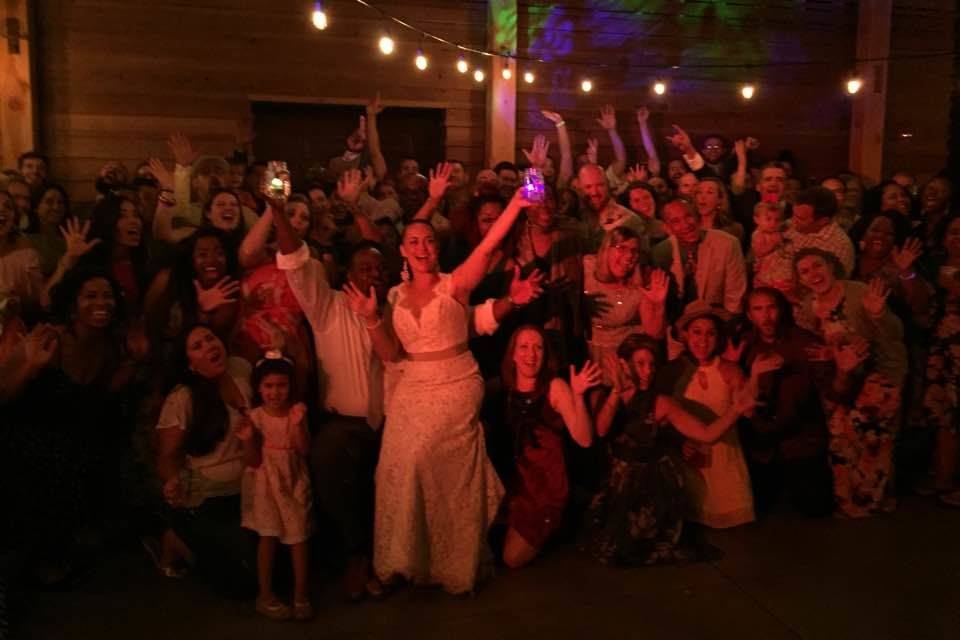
637 517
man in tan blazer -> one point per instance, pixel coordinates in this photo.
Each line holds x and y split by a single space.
706 264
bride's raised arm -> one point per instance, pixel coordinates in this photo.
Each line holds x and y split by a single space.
469 274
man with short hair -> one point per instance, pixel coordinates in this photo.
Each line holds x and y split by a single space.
846 215
603 213
34 166
706 264
508 179
812 225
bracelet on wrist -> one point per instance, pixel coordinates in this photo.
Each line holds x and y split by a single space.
909 274
562 123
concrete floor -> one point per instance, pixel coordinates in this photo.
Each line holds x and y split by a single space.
896 576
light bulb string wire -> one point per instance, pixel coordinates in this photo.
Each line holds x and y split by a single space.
710 65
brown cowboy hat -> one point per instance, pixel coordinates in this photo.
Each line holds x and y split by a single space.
700 309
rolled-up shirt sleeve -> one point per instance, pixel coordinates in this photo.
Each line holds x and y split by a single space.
484 321
308 281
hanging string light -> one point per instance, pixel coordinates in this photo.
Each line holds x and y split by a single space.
421 61
853 85
462 65
479 75
528 77
318 17
586 85
386 44
506 73
659 87
747 91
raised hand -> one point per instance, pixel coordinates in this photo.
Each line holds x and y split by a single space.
182 150
733 352
608 117
552 116
765 363
538 155
75 236
519 199
681 140
222 293
525 291
593 146
161 173
643 115
657 285
348 185
852 354
374 107
363 305
875 299
740 150
587 378
905 256
638 173
40 345
596 304
745 399
439 180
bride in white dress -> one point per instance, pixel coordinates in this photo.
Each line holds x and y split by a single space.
436 491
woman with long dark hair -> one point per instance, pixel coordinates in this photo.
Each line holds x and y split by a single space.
202 451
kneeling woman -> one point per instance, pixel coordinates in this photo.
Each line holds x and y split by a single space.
200 458
540 409
637 518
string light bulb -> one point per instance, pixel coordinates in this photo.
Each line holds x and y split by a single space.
747 91
586 86
318 17
506 73
478 75
386 45
421 60
528 77
853 85
462 65
659 87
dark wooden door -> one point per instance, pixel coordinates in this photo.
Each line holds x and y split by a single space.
308 135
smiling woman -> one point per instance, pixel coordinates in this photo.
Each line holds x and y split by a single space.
60 391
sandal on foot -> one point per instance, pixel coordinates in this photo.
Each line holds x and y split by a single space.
376 589
274 610
302 610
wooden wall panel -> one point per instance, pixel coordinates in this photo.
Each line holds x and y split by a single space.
918 102
118 76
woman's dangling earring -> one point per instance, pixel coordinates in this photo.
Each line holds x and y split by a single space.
405 271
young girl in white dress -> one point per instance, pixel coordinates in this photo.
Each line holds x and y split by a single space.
276 494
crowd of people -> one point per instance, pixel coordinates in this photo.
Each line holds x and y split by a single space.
430 376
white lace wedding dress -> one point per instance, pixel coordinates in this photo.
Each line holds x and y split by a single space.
437 492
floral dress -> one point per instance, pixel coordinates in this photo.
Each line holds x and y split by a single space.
637 518
863 431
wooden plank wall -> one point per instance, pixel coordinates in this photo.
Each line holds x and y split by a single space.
117 76
801 108
918 100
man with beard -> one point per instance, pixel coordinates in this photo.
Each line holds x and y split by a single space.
603 213
785 441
